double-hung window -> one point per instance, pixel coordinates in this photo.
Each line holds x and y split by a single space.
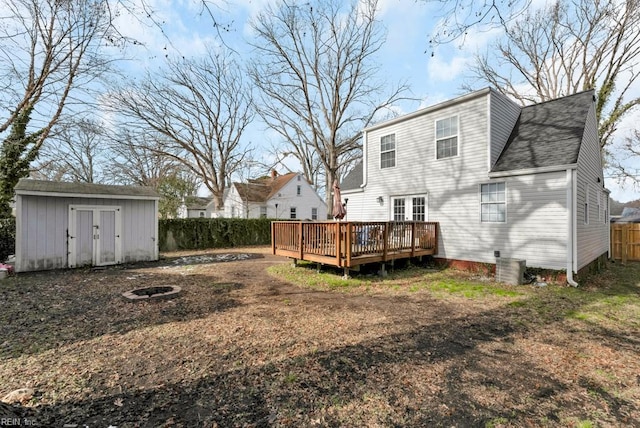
493 203
447 137
388 151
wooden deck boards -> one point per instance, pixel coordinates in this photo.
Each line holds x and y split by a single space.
350 244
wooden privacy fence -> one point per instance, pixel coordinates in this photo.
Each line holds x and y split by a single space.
348 244
625 241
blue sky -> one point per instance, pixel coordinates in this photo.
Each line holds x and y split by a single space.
406 54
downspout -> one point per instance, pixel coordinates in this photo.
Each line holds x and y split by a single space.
364 160
572 188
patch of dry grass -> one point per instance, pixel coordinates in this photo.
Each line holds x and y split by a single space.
241 347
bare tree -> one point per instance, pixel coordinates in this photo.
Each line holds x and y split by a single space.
140 160
201 109
569 47
625 159
50 49
316 70
77 152
458 17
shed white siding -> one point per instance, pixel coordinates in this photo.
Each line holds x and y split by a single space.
592 233
42 227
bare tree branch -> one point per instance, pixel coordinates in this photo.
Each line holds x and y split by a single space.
569 47
201 109
316 70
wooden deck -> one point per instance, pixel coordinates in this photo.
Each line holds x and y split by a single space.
350 244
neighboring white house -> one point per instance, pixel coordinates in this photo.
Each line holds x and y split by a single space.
500 179
196 207
60 225
287 196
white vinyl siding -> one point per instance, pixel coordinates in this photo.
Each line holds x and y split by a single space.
536 230
593 235
587 199
447 137
504 114
388 151
285 198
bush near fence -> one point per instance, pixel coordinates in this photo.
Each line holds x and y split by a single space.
7 237
203 233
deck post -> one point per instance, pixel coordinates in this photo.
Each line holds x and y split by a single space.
413 238
345 273
338 243
383 271
300 241
385 241
348 246
273 238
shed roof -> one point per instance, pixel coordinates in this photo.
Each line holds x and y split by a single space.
78 190
547 134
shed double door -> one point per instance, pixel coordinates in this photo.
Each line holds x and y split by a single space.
94 235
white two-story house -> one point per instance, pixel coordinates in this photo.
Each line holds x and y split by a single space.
283 197
500 179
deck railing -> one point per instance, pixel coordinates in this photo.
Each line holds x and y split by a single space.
352 243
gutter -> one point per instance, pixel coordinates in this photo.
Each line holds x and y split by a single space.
572 225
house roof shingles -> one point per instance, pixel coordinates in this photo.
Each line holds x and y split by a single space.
196 202
262 189
354 179
547 134
29 186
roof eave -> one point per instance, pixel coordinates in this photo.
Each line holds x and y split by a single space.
430 109
84 195
530 171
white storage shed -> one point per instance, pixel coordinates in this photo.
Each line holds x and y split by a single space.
60 225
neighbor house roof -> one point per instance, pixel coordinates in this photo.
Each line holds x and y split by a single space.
78 190
263 189
196 202
547 134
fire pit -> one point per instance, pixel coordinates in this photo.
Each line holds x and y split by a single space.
152 293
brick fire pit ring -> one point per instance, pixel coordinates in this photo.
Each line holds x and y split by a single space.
152 293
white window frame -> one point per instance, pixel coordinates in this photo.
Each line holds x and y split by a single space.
394 151
299 190
293 213
493 202
314 213
263 211
447 136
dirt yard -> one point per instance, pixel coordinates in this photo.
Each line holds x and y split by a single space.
244 346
